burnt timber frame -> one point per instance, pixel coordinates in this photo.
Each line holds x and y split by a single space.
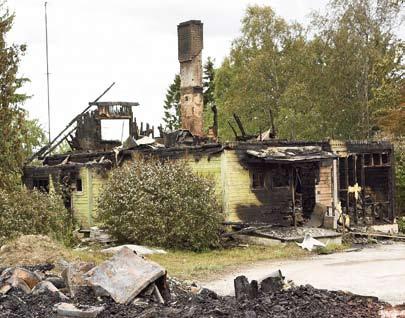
357 166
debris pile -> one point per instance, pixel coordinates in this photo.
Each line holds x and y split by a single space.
129 286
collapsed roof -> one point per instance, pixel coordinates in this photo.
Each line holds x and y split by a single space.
289 154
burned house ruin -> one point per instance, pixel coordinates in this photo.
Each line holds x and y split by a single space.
259 180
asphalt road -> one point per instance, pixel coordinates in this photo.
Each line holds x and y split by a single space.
375 271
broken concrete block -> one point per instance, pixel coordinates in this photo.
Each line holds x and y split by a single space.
58 282
46 286
73 275
65 310
30 278
19 283
5 289
125 275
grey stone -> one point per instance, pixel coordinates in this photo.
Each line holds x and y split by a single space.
46 286
73 275
66 310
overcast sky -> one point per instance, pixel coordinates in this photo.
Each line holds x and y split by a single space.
132 42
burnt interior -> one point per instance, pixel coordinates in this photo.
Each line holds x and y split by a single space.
370 166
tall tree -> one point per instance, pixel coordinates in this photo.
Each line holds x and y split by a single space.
328 80
362 64
260 80
172 105
17 134
208 83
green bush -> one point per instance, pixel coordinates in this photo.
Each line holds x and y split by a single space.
160 204
32 212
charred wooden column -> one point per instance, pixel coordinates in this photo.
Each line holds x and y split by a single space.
190 45
391 185
363 186
356 217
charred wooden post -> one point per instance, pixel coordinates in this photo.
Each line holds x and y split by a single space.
233 129
391 185
215 120
347 193
239 123
244 290
363 186
356 219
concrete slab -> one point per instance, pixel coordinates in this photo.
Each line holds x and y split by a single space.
377 271
125 275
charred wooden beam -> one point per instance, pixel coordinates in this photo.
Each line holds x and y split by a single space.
239 123
233 129
41 152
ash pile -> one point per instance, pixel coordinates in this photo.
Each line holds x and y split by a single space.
127 285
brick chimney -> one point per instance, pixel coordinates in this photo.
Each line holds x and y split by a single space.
190 45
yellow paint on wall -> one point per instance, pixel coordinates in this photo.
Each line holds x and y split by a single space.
84 203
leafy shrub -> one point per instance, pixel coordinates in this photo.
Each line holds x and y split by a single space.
32 212
160 204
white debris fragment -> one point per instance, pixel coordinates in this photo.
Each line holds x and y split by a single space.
138 249
309 243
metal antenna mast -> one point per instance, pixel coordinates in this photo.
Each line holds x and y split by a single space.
47 74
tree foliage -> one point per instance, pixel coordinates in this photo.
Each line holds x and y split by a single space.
18 135
160 204
208 83
172 105
330 79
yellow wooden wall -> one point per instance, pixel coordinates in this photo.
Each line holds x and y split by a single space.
233 187
84 203
241 203
208 168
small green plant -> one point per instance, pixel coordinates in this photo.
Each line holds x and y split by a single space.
33 212
401 224
160 203
331 248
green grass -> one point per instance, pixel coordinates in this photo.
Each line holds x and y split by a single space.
206 265
332 248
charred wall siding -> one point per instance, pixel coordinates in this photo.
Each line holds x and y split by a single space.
241 202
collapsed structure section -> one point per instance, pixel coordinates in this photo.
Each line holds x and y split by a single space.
190 45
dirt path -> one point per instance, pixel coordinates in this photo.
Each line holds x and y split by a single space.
378 271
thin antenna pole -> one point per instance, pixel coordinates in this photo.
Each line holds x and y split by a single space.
47 75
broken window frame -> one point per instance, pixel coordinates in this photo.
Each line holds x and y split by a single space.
79 185
276 174
257 180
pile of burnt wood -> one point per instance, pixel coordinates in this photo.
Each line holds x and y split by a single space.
129 286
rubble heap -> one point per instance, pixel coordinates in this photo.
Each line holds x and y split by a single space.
100 292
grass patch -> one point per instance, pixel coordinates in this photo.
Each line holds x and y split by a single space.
39 249
332 248
206 265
